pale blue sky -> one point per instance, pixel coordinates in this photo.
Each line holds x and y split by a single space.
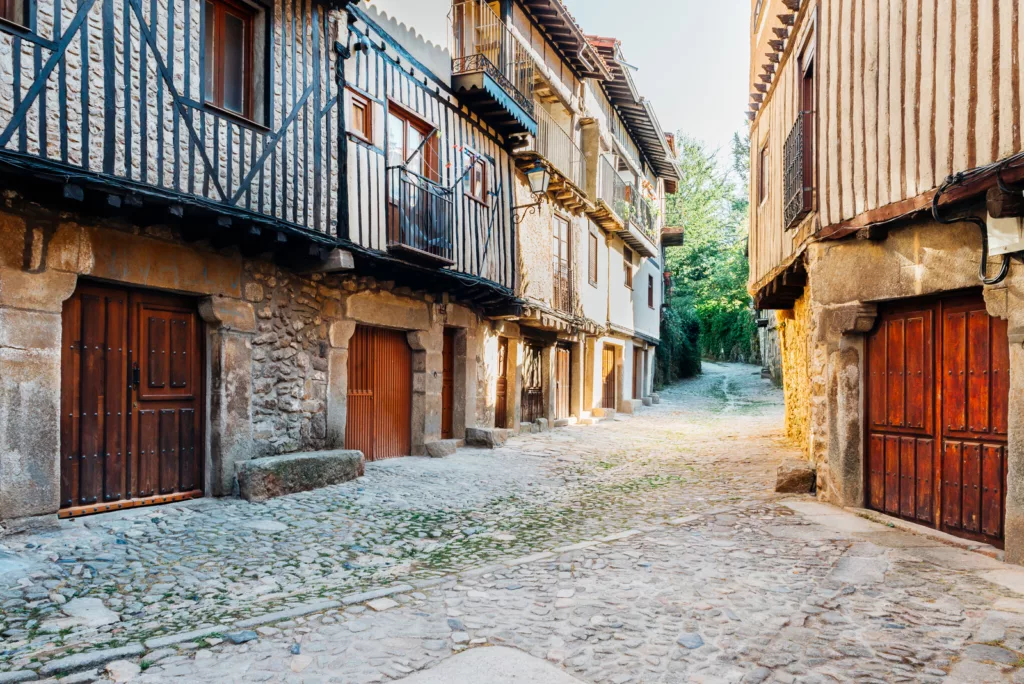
692 55
692 58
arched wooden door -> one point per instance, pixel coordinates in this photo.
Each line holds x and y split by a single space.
131 393
938 393
379 412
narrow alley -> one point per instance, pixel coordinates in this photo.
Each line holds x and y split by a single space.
642 549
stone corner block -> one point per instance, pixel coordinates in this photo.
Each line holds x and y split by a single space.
561 422
655 398
648 401
845 319
229 314
340 333
795 477
489 438
442 447
265 478
542 425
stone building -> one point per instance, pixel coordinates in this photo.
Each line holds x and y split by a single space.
885 205
261 230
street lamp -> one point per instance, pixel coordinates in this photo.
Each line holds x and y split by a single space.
539 177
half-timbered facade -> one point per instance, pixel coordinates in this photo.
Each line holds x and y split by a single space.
885 155
231 230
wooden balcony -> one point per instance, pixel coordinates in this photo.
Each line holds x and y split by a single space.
420 216
128 130
492 73
554 147
621 210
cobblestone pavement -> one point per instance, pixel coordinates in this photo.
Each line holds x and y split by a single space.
643 549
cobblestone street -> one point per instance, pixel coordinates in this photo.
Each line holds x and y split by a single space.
642 549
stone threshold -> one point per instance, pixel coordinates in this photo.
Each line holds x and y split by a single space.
930 532
93 659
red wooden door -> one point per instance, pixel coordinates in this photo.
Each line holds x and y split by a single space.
501 398
938 389
562 382
379 413
131 388
448 384
609 377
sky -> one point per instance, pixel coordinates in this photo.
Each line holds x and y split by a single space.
692 55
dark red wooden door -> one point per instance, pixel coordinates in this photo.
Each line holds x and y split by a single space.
610 381
501 398
379 412
131 378
448 384
938 388
562 382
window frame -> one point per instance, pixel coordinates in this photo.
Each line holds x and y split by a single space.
763 173
650 291
478 194
358 100
593 245
627 266
431 151
249 16
9 15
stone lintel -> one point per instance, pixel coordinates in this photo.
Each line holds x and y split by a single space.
225 313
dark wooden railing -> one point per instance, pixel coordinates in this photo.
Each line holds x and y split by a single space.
420 215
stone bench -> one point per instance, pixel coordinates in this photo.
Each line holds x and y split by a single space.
488 438
265 478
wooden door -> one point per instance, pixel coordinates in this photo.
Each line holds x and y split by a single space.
638 373
938 389
532 396
448 384
131 389
562 382
501 398
379 411
609 377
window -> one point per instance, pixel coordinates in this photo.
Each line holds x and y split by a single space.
228 57
14 11
762 174
561 265
361 117
627 266
650 291
593 244
476 177
412 143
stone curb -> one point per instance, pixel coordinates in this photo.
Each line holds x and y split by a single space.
17 676
288 614
80 661
363 597
181 637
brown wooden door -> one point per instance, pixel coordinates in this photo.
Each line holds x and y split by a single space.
501 398
379 411
638 373
131 388
938 388
562 382
609 377
448 384
532 396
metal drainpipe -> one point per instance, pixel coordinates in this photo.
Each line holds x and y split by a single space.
1004 269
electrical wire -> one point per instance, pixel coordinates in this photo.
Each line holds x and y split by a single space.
957 179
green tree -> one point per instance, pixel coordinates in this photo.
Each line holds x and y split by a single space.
709 272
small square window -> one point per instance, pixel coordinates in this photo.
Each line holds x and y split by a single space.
14 11
476 178
361 117
229 64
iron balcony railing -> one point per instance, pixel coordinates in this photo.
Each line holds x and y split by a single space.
565 293
419 214
480 41
613 189
556 145
797 195
637 210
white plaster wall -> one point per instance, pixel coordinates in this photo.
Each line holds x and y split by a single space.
647 320
620 297
594 298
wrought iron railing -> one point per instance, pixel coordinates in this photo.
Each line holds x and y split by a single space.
420 214
480 41
639 211
796 195
557 146
565 292
613 189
